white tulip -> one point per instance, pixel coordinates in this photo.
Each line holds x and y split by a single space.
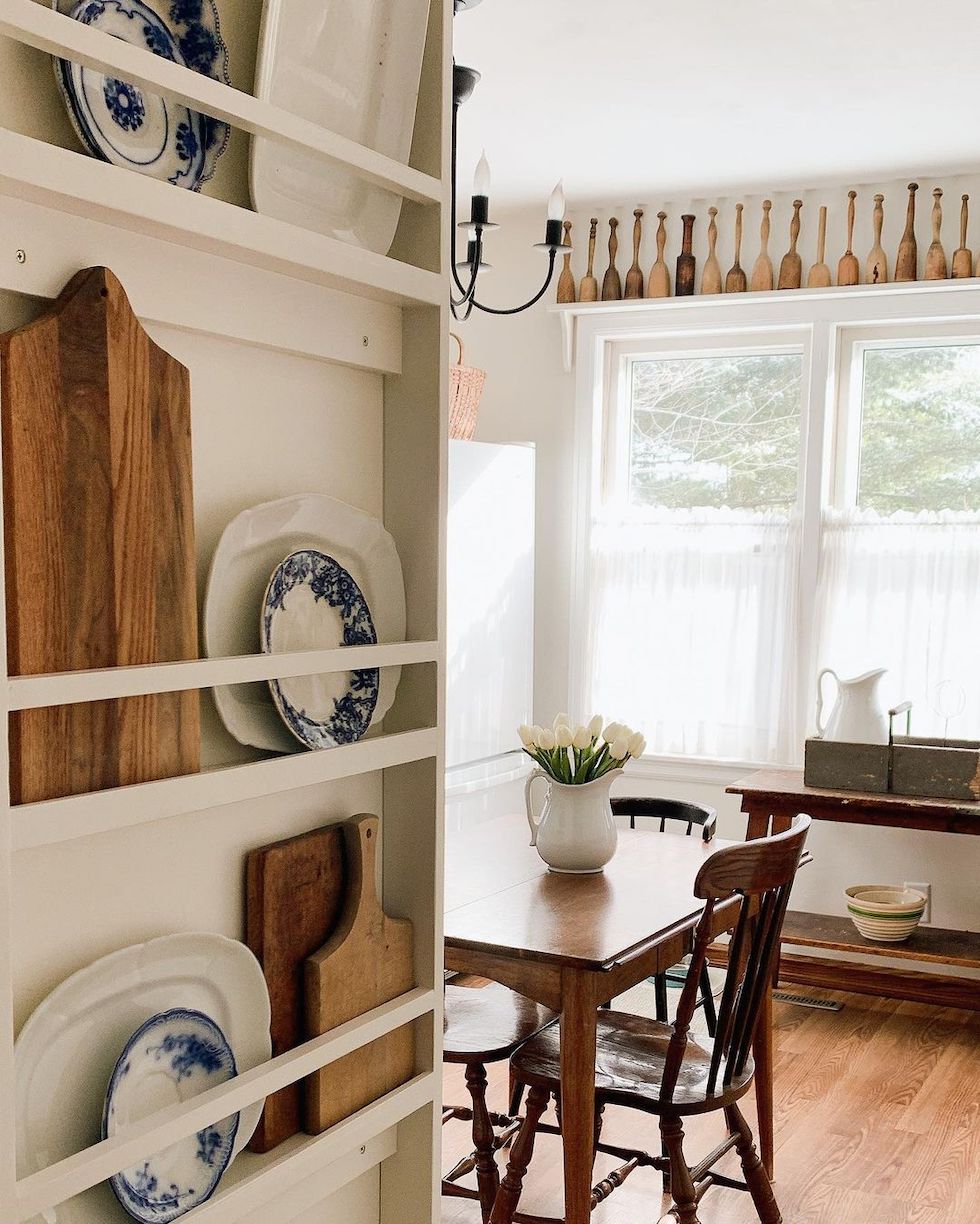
527 735
611 732
582 738
561 720
564 735
546 740
619 749
595 725
638 744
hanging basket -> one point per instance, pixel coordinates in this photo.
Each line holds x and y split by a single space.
465 388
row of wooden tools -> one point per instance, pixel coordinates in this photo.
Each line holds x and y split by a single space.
763 278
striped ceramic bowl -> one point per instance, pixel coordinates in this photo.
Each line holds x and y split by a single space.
886 913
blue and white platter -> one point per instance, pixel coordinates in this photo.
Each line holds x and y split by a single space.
172 1057
122 124
67 1050
313 603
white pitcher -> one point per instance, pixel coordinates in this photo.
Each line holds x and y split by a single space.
575 831
858 716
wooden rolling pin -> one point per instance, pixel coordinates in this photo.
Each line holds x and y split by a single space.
612 285
658 282
762 272
848 269
877 265
566 282
819 275
589 289
907 260
963 256
686 263
711 276
634 277
735 281
791 266
936 268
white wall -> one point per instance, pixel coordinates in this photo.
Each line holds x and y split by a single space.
529 396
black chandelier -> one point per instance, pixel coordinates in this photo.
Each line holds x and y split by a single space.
465 273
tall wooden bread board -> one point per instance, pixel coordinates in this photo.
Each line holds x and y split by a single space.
366 962
99 538
295 891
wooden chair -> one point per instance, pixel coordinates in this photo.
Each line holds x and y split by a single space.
693 815
482 1025
657 1068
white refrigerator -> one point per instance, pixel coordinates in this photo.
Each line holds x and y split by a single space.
490 627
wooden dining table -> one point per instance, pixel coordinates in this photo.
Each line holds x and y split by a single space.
573 942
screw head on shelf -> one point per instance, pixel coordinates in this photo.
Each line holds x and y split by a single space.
365 341
21 255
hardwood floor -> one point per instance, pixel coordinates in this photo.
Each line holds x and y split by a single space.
877 1122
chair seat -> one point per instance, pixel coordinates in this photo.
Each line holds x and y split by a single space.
488 1023
630 1054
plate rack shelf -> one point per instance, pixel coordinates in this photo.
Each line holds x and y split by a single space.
379 324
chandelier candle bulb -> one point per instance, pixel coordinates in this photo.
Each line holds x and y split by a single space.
556 203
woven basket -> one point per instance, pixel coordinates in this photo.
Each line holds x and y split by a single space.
465 388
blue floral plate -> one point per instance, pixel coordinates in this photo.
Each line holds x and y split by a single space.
313 603
121 124
174 1056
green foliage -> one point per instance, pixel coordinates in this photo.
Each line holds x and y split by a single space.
725 431
719 431
920 431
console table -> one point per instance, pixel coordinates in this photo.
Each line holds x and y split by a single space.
771 798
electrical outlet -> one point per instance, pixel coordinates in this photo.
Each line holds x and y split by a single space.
923 888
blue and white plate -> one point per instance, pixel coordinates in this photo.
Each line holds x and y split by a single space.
121 124
174 1056
313 603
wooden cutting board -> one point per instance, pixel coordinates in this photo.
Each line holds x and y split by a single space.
294 894
366 962
99 538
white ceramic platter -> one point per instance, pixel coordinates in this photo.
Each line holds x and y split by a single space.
251 547
354 69
65 1053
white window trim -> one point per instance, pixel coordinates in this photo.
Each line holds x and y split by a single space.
828 319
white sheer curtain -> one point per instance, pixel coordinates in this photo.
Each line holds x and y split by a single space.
692 631
903 592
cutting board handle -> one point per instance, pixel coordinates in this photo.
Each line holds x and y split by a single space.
361 844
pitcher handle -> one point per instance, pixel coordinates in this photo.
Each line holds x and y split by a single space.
533 818
827 671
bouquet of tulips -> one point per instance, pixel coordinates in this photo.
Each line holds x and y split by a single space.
577 755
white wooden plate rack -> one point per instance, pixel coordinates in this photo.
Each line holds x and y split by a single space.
216 280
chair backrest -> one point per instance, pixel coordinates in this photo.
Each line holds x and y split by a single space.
755 877
691 814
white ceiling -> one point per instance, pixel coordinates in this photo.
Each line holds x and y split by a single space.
647 100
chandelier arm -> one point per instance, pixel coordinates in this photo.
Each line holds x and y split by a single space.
552 255
467 293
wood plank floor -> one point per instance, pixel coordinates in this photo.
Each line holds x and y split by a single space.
877 1122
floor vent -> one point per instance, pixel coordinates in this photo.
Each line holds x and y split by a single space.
783 996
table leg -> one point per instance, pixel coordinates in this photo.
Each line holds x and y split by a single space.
578 1038
758 826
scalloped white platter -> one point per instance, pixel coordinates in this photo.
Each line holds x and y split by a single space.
251 547
66 1051
354 69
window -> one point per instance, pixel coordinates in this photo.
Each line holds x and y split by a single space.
744 533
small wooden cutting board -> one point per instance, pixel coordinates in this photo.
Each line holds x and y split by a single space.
366 962
99 539
294 896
